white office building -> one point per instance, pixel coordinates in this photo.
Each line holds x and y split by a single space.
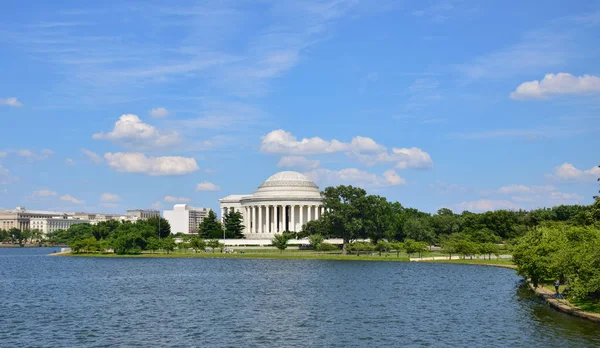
185 218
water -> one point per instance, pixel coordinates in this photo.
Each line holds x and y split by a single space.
66 302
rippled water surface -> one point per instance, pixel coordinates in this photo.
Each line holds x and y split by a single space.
66 301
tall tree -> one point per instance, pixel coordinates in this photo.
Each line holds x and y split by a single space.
280 241
165 227
233 224
210 227
342 213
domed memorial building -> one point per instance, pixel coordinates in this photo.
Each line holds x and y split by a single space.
284 202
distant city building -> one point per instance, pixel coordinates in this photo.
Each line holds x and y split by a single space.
47 225
20 217
284 202
49 221
185 218
143 213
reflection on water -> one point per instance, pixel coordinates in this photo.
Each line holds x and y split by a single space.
62 301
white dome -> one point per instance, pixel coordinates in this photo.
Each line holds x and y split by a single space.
288 179
288 184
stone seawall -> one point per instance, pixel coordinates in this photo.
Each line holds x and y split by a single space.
563 305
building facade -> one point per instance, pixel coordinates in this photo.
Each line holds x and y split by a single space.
47 225
20 217
185 218
143 214
284 202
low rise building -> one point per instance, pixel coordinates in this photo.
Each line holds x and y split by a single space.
47 225
185 218
143 214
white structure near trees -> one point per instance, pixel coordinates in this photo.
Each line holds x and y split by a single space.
53 224
185 218
284 202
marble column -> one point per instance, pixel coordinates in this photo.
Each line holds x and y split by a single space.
252 219
268 224
301 216
293 223
281 218
310 211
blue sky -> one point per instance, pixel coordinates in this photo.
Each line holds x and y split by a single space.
462 104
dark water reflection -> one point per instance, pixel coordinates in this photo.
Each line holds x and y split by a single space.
62 301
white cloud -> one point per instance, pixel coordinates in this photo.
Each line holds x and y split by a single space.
567 171
487 205
135 162
70 162
356 177
32 156
159 112
524 189
282 142
5 177
565 196
297 162
557 84
71 199
131 132
44 193
367 150
207 186
92 156
10 102
176 199
109 197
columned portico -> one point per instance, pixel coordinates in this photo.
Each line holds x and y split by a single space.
284 202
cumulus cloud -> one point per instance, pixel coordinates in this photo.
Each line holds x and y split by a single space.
159 112
176 199
92 156
356 177
487 205
297 162
135 162
71 199
10 102
557 84
109 197
367 150
569 172
207 186
44 193
131 132
282 142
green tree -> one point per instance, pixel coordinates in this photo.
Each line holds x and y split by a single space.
168 244
16 236
197 244
313 227
280 241
420 230
89 244
314 240
382 246
397 246
165 227
343 216
129 241
358 247
153 244
233 224
210 227
489 249
412 246
213 244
